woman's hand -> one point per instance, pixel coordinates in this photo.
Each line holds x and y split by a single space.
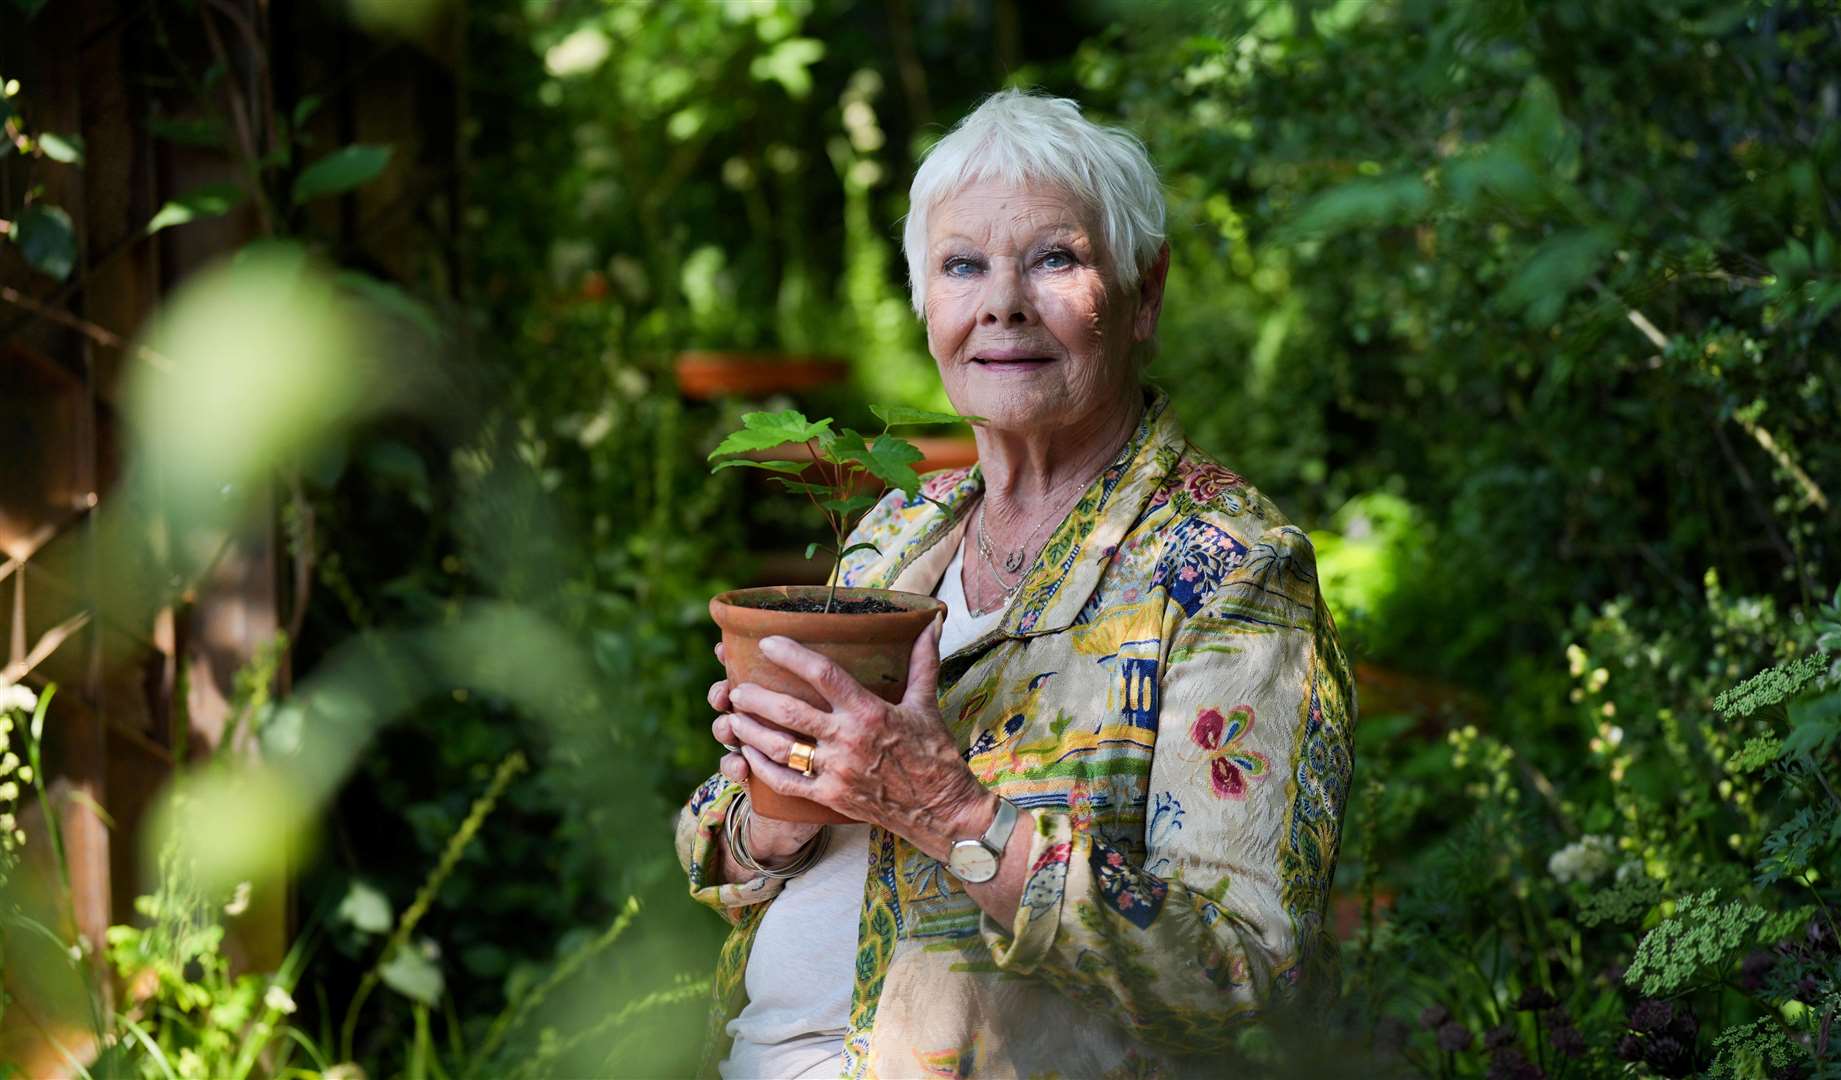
894 765
769 840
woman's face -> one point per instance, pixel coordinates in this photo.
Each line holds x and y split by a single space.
1024 314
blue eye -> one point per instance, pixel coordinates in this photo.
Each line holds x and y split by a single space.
1058 259
958 266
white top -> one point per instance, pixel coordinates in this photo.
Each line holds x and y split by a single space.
803 965
962 627
802 968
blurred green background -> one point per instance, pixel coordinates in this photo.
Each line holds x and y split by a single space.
1528 311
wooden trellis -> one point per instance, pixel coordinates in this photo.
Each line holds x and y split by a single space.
139 687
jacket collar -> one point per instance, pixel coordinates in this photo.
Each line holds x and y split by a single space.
1068 570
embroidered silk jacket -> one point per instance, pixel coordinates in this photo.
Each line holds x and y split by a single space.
1166 700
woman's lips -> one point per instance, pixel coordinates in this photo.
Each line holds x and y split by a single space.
1012 361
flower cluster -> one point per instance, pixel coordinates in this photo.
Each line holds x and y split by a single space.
1585 860
1661 1036
15 700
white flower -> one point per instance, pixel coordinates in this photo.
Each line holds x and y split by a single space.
15 697
239 900
278 999
1585 860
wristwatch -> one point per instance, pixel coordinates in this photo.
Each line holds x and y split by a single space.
975 861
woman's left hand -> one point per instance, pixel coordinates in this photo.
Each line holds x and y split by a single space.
893 765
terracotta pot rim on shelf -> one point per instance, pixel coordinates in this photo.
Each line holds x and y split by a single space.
703 374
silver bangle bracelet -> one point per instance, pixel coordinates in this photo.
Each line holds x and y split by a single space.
735 827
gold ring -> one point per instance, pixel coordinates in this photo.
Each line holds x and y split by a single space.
799 758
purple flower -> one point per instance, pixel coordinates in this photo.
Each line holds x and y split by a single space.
1500 1036
1433 1015
1756 966
1511 1064
1650 1016
1568 1041
1454 1037
1630 1048
1668 1055
1534 998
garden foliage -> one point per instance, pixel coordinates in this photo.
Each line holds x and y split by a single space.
1531 311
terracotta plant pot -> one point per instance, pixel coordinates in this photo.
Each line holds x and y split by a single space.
704 376
945 452
873 648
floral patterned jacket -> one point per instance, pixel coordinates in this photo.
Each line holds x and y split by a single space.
1166 700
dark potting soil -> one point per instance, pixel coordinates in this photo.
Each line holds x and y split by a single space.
866 606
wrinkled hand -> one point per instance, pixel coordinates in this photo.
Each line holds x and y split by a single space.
894 765
769 839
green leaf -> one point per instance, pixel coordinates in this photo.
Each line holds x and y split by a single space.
212 200
811 549
1556 269
1815 728
392 300
1364 203
861 546
188 131
47 240
65 148
802 488
902 415
341 171
1796 845
366 908
766 430
790 468
786 64
850 505
891 460
412 974
304 110
848 445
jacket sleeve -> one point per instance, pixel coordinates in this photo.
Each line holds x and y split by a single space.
700 822
1220 912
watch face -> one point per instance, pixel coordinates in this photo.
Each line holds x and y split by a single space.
972 861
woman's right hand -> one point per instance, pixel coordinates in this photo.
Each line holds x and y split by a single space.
769 840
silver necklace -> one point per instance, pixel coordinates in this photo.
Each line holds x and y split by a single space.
1014 561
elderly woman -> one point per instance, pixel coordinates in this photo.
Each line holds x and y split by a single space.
1099 831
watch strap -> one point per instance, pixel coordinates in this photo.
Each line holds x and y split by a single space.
997 837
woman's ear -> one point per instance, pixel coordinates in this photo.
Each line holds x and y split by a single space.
1150 295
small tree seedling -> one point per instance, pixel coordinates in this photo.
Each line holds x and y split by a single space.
841 458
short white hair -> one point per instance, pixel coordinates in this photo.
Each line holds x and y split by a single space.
1020 137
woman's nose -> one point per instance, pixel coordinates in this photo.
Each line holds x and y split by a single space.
1005 301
